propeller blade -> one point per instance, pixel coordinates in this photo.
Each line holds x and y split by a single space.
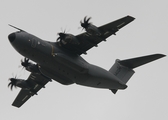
12 86
85 19
25 62
85 22
9 84
58 38
62 36
88 19
12 83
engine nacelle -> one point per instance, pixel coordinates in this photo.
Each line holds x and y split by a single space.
89 27
70 39
22 84
33 68
18 83
93 30
67 39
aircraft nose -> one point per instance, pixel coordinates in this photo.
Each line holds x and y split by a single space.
12 37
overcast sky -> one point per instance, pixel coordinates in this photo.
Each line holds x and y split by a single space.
145 98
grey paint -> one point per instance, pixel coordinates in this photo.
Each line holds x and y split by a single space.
145 97
62 62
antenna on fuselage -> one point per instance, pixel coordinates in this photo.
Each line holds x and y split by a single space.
17 28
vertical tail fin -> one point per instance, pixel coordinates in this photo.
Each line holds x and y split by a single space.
123 69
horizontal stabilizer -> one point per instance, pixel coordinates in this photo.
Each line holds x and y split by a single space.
136 62
123 69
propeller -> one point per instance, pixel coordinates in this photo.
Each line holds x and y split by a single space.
25 62
61 36
85 22
12 83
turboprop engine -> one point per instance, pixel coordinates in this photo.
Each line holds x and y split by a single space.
18 83
89 27
30 66
67 39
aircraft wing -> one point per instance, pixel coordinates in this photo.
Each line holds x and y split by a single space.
36 81
88 41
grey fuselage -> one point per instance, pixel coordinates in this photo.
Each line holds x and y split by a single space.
61 65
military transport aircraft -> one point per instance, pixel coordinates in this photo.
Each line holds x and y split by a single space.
61 60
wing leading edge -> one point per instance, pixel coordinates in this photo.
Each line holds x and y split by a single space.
36 81
87 41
